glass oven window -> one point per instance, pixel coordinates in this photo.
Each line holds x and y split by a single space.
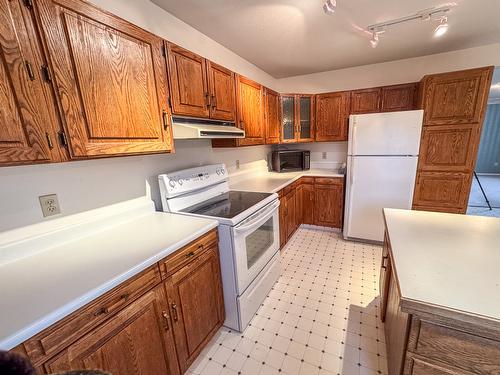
259 241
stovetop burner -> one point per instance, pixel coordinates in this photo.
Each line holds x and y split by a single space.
227 205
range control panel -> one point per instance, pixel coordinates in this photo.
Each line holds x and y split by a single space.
188 180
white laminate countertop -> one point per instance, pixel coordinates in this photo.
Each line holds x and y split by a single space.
43 287
447 261
272 182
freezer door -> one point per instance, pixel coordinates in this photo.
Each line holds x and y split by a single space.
374 183
394 133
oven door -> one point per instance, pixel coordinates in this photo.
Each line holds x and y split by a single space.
256 240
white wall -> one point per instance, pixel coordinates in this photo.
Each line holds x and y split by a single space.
400 71
84 185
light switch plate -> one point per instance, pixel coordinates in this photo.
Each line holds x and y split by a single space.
50 205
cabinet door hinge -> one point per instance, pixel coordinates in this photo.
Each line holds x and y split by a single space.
28 4
63 139
47 75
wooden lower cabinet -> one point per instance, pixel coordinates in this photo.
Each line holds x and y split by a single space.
328 202
421 341
155 323
311 200
138 340
196 305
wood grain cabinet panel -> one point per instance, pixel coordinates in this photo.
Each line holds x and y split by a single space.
250 111
272 116
398 97
291 214
332 116
442 189
196 305
396 328
328 203
27 111
308 203
365 101
110 80
138 340
419 367
449 147
462 350
222 92
63 333
456 97
188 82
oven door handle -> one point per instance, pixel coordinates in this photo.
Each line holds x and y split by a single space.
261 219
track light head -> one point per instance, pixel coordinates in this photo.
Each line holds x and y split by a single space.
330 6
374 40
442 28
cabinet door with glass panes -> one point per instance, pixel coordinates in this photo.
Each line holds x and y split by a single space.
297 118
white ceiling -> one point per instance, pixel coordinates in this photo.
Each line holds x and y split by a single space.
294 37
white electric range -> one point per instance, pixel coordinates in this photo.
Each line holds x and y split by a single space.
248 234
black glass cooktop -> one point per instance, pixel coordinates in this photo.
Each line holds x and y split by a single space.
227 205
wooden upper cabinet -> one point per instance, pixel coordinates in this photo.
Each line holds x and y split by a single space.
288 118
27 112
250 111
365 101
138 340
456 97
110 80
332 116
272 116
399 97
222 92
196 305
297 112
188 82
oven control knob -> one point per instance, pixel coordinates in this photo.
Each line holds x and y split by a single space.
218 171
171 183
222 171
180 181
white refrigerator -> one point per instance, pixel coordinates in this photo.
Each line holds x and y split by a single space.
381 168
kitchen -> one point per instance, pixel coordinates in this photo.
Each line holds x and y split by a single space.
128 258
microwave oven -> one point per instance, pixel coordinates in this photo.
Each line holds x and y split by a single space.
290 160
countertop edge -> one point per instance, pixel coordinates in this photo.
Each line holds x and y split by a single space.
414 306
38 326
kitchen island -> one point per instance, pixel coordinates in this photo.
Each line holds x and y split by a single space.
440 293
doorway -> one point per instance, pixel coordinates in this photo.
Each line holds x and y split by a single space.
484 199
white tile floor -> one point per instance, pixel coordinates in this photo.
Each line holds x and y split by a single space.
320 318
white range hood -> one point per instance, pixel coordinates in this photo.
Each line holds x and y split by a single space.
192 128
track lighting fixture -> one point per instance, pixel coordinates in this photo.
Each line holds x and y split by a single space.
442 28
432 14
330 6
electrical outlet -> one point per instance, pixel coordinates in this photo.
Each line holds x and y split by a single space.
323 155
237 164
50 205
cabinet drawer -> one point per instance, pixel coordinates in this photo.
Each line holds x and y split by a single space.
188 253
329 180
307 180
459 349
74 326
